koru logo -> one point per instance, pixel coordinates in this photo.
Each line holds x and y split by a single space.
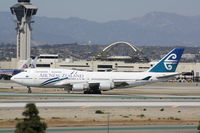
169 61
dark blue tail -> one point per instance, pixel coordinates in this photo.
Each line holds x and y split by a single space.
169 62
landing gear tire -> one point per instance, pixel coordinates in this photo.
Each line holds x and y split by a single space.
85 92
29 90
95 91
68 90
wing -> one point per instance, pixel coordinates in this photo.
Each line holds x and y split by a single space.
133 82
116 83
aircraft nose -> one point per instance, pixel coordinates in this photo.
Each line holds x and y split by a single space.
13 78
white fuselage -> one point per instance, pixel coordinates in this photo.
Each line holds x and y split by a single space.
95 82
61 77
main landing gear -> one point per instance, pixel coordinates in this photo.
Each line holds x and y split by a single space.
68 90
29 89
92 91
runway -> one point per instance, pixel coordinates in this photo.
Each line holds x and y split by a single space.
133 96
102 104
80 100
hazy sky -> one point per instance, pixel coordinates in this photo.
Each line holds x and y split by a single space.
107 10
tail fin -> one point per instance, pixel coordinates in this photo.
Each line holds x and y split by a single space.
33 63
169 62
25 64
30 63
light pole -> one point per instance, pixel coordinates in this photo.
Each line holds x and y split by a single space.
108 126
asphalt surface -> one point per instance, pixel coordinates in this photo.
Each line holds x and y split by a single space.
102 104
53 95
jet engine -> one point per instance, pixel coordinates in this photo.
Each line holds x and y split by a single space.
80 87
105 86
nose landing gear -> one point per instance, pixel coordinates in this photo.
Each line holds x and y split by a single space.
29 89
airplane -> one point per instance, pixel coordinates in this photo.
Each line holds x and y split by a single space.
8 73
95 82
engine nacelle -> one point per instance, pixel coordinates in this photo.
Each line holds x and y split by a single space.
80 87
105 86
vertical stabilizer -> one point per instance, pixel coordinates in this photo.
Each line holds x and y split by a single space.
30 63
24 63
168 63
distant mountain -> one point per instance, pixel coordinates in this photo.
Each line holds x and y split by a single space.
155 28
7 28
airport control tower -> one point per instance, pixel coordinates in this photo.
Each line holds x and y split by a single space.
24 11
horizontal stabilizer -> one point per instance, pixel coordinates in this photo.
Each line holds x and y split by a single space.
147 78
168 76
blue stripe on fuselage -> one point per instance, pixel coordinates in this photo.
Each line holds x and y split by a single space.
52 81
